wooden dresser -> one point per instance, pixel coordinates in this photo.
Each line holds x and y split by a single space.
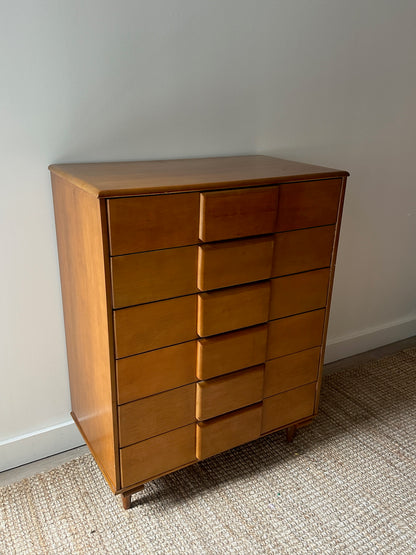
196 297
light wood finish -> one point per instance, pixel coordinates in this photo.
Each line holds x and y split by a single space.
112 179
298 293
228 431
84 280
153 276
156 415
234 262
291 371
285 408
164 311
295 333
232 309
157 455
155 371
238 213
303 250
227 393
228 352
154 325
153 222
308 204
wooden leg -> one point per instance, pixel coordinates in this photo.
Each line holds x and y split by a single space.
126 499
126 496
290 433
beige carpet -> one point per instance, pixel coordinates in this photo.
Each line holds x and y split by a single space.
346 485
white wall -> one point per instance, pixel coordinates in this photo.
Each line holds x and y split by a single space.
331 82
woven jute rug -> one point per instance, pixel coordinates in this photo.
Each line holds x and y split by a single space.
346 485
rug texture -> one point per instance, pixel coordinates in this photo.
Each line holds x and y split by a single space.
346 485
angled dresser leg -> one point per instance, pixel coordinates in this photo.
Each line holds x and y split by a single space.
126 496
290 433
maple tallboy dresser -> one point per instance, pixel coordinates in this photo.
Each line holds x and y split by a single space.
196 297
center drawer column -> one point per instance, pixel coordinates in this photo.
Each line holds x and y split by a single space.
234 269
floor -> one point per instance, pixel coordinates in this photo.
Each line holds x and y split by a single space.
25 471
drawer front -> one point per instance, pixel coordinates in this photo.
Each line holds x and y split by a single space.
286 408
147 459
228 352
139 224
154 325
298 293
237 213
308 204
291 371
300 251
234 262
153 276
296 333
156 415
228 393
226 432
156 371
232 309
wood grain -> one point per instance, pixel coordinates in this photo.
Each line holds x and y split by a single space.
144 460
303 250
286 408
298 293
152 326
234 262
228 352
153 276
291 371
308 204
155 371
156 415
232 309
84 277
228 431
227 393
295 333
111 179
152 222
238 213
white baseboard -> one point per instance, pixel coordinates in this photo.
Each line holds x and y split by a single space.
38 445
55 439
370 338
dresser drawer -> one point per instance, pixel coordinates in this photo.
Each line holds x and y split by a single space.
154 325
308 204
232 309
234 262
226 432
296 333
158 455
153 276
298 293
291 371
300 251
237 213
152 222
286 408
155 371
228 352
228 393
156 414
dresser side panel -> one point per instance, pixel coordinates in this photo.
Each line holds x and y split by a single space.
81 247
330 287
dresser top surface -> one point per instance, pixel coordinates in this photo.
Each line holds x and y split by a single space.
114 179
